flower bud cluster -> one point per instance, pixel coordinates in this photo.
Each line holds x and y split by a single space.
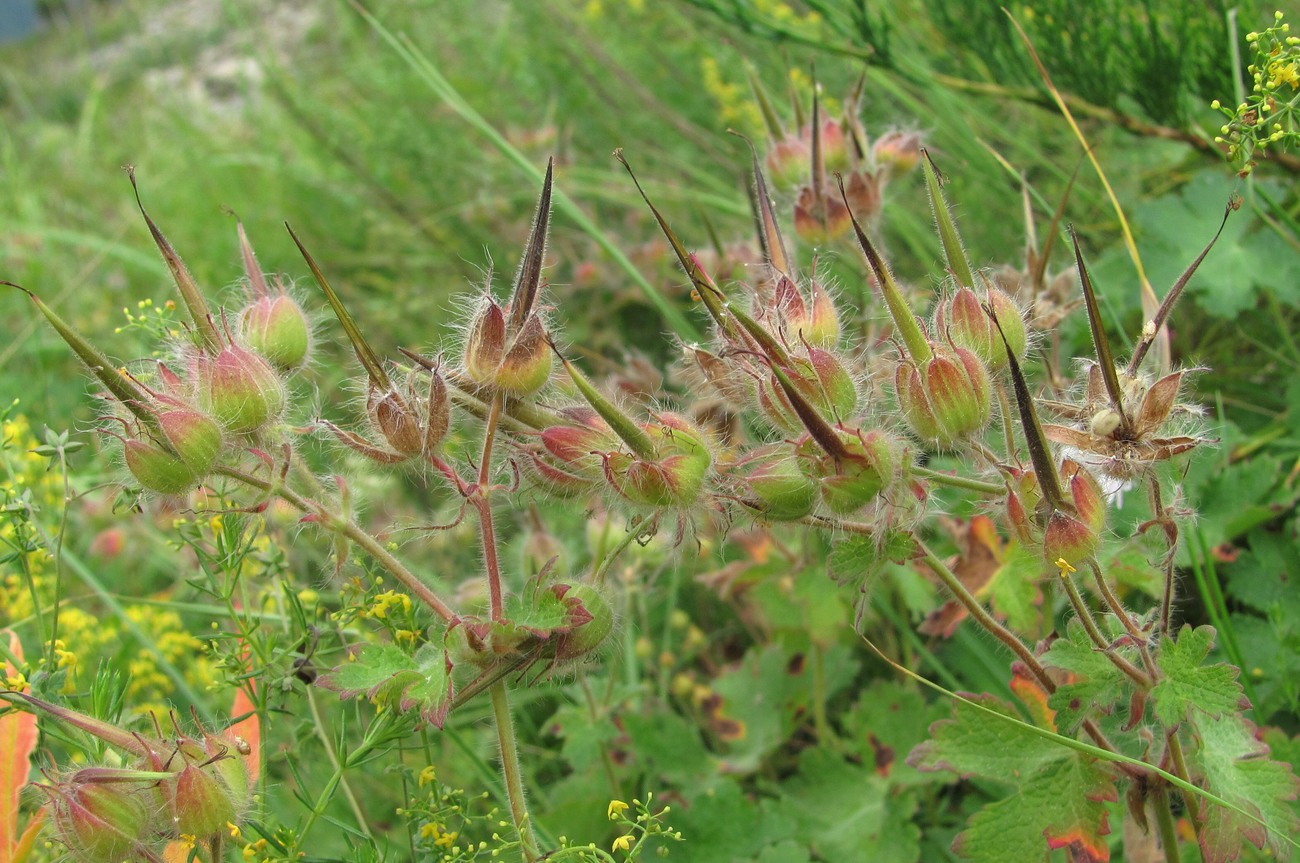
803 164
180 787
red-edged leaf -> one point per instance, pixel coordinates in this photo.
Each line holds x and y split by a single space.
1059 795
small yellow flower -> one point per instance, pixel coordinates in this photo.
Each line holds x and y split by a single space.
234 829
1064 565
616 808
428 775
189 840
624 842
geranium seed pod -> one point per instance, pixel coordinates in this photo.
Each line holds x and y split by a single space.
277 328
850 482
485 344
200 801
395 419
240 389
100 821
438 419
946 398
526 367
963 320
782 490
195 437
896 152
158 470
823 328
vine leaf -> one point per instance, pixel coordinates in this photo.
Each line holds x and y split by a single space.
1095 685
387 675
1231 761
1187 683
1059 797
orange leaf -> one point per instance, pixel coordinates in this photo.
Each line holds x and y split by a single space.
17 740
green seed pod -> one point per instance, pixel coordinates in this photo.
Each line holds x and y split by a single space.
848 483
277 328
963 319
100 821
158 470
773 476
240 389
946 397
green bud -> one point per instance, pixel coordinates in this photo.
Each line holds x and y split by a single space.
946 398
99 820
277 328
773 477
240 389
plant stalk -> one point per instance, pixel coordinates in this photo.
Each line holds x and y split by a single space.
511 770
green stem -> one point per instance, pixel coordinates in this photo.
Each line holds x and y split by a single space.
334 763
1165 823
1084 614
976 610
1113 603
511 771
350 529
967 483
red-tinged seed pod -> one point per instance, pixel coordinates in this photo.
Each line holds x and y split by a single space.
586 638
395 419
199 796
437 420
787 163
896 152
227 764
578 445
1023 501
946 398
526 366
782 491
835 148
196 438
963 319
240 390
277 328
823 328
791 307
821 218
1067 538
835 384
99 821
1086 494
158 470
866 198
485 343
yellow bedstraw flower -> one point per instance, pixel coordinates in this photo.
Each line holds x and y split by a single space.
427 775
616 808
1064 565
624 842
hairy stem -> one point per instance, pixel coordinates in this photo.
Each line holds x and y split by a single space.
510 769
350 529
1165 823
1084 614
940 478
1112 602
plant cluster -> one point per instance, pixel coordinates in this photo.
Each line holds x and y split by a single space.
788 421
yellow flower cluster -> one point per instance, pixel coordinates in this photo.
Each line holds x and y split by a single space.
735 108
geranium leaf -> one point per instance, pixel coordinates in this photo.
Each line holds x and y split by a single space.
1187 683
1095 684
1059 797
1230 761
387 675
